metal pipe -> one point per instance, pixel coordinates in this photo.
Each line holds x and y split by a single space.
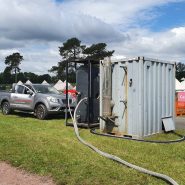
107 88
89 94
66 108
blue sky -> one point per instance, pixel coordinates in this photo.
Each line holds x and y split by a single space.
169 16
130 27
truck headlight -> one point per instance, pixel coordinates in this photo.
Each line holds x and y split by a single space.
52 99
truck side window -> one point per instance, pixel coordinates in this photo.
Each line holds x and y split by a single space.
19 89
26 90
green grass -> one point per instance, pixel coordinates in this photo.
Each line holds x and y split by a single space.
49 148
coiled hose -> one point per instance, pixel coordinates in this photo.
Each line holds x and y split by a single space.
113 157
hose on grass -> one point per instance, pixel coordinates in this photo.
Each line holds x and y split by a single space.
113 157
182 138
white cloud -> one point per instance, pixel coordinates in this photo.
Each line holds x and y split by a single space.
116 12
44 20
36 29
166 45
39 62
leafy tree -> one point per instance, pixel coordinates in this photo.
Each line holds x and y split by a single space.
13 61
97 52
70 51
31 76
43 77
7 78
34 77
1 78
59 70
180 71
21 77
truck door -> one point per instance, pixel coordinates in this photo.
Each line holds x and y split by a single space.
21 98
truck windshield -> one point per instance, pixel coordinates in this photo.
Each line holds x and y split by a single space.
45 89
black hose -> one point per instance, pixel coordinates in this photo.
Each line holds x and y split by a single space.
93 131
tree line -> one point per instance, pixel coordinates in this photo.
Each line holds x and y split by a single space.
71 50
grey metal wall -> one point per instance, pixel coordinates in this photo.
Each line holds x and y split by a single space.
143 92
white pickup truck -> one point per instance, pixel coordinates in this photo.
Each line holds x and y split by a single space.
38 98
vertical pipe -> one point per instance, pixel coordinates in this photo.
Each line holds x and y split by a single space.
158 97
173 87
89 93
155 98
150 100
66 116
145 99
141 100
167 91
102 122
107 88
126 98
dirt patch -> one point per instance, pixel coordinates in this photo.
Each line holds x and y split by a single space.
12 176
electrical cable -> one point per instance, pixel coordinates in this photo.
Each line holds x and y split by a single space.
113 157
93 131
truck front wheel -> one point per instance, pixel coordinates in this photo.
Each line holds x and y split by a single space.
5 108
41 111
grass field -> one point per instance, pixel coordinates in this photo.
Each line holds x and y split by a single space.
49 148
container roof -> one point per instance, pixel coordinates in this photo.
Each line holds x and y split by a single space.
143 58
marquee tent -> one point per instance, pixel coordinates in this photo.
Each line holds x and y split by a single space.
45 82
183 85
61 86
19 83
28 82
179 86
69 85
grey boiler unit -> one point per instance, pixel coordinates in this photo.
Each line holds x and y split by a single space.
87 84
137 97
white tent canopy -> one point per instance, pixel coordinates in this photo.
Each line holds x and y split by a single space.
179 86
69 85
19 83
61 86
28 82
45 82
183 85
60 81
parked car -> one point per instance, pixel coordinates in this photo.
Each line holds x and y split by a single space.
38 98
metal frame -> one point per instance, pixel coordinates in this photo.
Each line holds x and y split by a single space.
89 98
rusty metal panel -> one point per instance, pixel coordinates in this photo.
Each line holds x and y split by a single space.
143 92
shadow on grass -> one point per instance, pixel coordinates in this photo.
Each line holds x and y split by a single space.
31 115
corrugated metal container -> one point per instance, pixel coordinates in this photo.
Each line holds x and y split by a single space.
143 94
